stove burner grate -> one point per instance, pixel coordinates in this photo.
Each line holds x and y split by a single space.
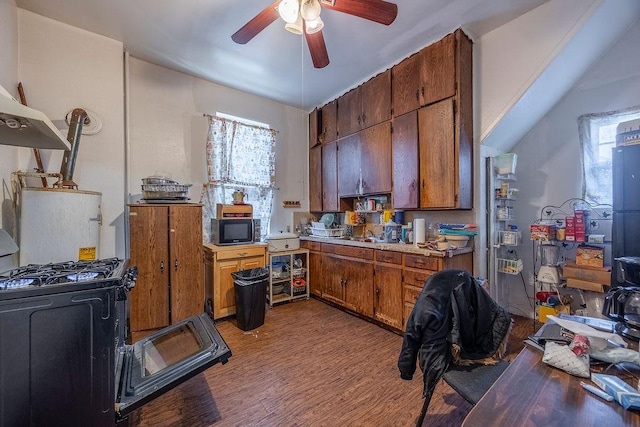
57 273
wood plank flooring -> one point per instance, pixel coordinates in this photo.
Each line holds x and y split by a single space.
310 364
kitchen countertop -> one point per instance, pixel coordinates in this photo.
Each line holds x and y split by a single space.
398 247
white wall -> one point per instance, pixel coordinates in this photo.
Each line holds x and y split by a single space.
62 68
8 80
549 169
168 133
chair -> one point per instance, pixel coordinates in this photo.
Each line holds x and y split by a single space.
471 382
457 332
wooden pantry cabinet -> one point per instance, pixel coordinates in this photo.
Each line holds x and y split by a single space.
220 262
166 246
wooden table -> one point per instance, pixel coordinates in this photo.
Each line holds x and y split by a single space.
531 393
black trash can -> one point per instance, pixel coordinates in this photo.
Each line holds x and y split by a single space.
250 289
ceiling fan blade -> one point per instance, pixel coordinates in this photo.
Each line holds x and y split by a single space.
257 24
317 49
373 10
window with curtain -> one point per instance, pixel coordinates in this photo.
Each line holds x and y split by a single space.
598 137
240 156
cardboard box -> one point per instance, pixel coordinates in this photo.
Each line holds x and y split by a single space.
590 256
542 232
570 229
545 310
598 275
585 285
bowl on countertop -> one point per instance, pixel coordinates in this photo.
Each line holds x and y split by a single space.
457 240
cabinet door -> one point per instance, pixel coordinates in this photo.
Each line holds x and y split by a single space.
149 251
358 285
438 165
376 100
314 126
375 158
405 88
437 71
315 273
187 269
329 119
224 299
329 177
388 295
350 112
405 161
349 165
315 179
333 279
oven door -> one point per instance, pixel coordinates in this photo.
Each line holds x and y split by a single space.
165 359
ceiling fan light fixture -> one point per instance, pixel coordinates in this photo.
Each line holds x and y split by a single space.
310 9
289 10
294 27
314 25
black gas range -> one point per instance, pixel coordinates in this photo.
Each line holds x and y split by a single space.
63 356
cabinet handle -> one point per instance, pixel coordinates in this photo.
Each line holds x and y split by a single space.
364 118
413 185
422 90
161 266
417 95
176 265
423 184
345 282
359 120
242 253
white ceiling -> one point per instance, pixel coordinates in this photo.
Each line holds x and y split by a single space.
194 36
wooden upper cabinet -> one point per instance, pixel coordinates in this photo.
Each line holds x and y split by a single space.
426 77
314 127
367 105
350 112
405 86
438 70
438 165
376 100
375 152
405 161
329 119
349 165
330 177
315 179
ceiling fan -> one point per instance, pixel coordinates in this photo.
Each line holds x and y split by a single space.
303 17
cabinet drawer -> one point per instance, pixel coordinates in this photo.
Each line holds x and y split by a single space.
350 251
240 253
389 257
416 278
312 246
420 261
411 293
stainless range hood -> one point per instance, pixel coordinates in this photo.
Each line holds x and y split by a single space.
25 127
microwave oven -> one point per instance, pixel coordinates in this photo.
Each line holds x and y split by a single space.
234 231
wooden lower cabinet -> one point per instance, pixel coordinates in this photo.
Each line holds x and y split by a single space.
166 246
382 285
220 262
388 288
417 270
348 282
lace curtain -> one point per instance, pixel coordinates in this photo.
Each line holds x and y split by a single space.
239 156
596 173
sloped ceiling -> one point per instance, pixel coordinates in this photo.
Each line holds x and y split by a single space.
194 36
581 33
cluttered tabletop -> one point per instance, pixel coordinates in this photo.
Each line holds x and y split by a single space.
575 371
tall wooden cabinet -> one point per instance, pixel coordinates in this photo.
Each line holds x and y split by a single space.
220 262
166 246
